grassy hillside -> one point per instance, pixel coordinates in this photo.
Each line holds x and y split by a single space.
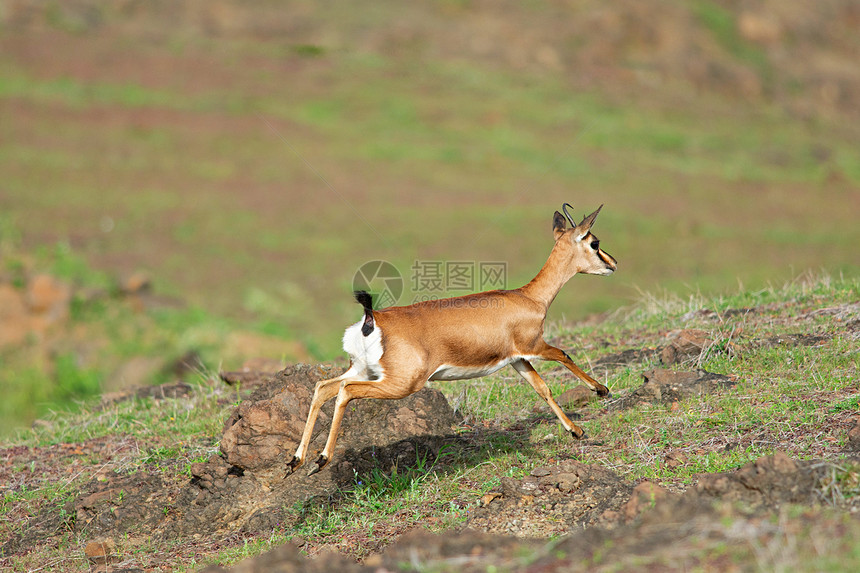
251 159
70 333
790 353
185 186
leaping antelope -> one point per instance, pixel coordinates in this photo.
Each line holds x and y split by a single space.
394 351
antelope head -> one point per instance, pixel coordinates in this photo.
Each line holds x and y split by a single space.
579 247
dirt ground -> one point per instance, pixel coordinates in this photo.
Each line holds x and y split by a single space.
567 515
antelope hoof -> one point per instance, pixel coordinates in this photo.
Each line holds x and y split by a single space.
603 392
321 463
580 436
294 463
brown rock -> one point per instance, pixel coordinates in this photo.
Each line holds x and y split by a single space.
14 316
552 500
259 433
668 386
263 432
47 296
43 302
687 346
675 459
100 552
854 437
645 496
135 283
770 480
488 498
567 482
247 379
576 397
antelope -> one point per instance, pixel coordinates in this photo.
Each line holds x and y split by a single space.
396 350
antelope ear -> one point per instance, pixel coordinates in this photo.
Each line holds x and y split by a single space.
558 225
585 226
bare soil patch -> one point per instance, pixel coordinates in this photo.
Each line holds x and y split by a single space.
639 524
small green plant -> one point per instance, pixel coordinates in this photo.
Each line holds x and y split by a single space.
852 403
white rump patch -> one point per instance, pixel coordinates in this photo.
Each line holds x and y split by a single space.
365 351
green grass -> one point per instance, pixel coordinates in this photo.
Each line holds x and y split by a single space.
103 332
787 398
783 389
253 178
361 156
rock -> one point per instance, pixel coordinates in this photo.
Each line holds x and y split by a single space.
567 482
135 283
675 459
552 500
286 558
14 316
100 552
43 302
853 443
159 392
576 397
246 488
644 496
769 481
669 386
247 380
687 346
118 503
48 297
540 472
263 432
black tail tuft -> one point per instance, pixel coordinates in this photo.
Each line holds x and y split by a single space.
366 300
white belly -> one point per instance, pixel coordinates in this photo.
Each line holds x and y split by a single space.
446 372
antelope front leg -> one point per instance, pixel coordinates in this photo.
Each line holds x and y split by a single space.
527 371
560 356
324 391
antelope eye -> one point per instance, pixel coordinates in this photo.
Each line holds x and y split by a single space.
595 245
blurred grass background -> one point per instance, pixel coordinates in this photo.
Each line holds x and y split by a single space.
251 157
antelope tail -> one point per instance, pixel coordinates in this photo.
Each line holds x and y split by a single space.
366 300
